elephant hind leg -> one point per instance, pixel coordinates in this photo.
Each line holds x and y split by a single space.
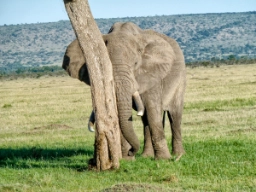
175 117
148 150
154 115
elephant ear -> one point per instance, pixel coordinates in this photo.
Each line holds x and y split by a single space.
74 62
157 60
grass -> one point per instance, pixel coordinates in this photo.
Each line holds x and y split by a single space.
45 144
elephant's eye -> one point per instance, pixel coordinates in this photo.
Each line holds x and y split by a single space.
136 65
106 42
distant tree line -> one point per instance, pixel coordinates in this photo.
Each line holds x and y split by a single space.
32 72
36 72
230 60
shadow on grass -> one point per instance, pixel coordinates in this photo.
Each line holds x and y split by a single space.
42 158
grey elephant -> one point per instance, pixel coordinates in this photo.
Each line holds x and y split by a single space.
148 63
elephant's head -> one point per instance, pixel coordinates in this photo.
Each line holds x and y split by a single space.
74 62
140 59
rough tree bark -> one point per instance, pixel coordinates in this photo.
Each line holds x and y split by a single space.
107 140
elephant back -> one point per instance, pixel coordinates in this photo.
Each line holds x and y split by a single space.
127 28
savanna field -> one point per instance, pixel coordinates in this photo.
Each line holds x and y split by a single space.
45 143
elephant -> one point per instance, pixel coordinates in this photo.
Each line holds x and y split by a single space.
147 64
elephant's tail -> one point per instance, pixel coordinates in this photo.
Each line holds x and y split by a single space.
163 121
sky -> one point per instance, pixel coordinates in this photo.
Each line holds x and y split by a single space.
41 11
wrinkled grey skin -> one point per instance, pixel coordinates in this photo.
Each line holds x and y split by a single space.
148 62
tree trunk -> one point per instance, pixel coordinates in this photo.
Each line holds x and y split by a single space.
107 141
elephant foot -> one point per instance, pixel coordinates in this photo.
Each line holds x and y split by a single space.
178 154
127 154
161 150
128 158
177 157
178 151
148 152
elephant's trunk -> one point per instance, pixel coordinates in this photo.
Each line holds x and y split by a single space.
124 106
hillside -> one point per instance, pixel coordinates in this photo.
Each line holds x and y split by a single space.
201 36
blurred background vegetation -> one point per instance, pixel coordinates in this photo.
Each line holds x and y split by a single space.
206 40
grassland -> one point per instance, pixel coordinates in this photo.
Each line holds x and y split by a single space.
45 145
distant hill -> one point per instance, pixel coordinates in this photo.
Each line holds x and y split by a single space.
201 36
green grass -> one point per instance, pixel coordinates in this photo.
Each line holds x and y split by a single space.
218 105
7 105
45 144
226 164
